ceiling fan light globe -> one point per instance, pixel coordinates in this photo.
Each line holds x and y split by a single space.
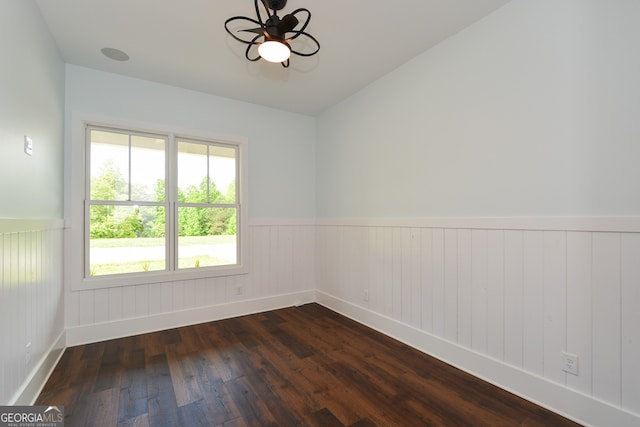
274 51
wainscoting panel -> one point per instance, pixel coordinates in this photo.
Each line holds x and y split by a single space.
281 263
606 326
630 330
31 307
518 295
579 311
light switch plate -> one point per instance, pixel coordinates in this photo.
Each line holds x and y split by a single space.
28 145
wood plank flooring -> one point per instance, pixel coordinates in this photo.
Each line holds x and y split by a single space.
303 366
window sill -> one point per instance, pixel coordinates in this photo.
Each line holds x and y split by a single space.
135 279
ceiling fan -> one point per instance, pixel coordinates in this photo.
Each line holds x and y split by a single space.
275 38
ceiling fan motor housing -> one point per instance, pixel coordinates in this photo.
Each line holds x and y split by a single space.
276 4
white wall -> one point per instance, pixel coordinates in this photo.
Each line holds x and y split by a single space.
31 297
281 149
32 92
281 144
532 111
523 124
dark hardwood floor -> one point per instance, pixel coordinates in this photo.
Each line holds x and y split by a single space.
297 366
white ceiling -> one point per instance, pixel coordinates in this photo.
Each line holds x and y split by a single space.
183 43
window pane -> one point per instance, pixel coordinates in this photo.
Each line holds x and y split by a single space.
207 236
222 171
147 169
109 165
192 172
126 239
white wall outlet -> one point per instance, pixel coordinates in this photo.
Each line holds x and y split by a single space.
570 363
365 295
28 145
239 290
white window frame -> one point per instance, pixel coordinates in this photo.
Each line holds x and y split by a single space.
76 206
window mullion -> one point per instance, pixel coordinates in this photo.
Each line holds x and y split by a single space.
208 174
124 203
87 163
129 177
87 243
171 188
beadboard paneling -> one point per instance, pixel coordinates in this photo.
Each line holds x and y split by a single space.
554 303
495 294
31 308
606 325
630 296
520 296
579 308
513 298
281 262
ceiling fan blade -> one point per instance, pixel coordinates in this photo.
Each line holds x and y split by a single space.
258 30
287 23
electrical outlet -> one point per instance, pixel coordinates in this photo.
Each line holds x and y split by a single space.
239 289
570 363
365 296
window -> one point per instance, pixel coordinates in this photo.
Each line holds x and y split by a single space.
160 204
207 210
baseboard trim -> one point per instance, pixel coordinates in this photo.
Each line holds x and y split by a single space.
140 325
30 390
568 403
